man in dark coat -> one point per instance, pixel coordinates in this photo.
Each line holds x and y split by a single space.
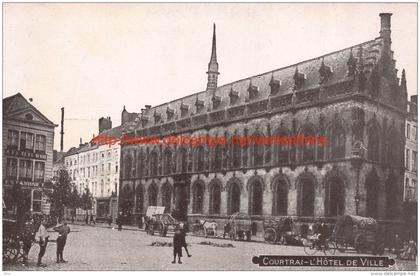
28 237
177 244
63 230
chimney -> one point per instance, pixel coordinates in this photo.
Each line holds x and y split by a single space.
104 124
413 99
81 143
62 130
385 31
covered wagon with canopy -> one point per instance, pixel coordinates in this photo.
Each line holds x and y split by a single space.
361 233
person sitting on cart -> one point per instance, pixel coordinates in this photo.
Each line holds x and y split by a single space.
322 233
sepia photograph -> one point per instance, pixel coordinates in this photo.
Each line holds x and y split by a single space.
209 136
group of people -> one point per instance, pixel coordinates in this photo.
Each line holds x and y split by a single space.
404 250
41 236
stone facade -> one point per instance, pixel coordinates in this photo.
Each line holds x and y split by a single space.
410 185
353 97
28 139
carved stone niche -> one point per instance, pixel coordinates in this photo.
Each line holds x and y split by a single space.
358 124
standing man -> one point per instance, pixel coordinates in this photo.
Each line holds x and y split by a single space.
43 241
27 238
63 230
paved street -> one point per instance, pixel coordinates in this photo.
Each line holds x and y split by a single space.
98 248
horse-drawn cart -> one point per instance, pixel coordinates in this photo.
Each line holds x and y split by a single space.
277 229
362 233
239 227
158 221
12 245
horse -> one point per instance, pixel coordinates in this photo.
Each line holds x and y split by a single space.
208 226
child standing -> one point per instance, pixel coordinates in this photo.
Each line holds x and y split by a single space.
177 244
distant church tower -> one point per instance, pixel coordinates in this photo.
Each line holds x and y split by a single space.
213 70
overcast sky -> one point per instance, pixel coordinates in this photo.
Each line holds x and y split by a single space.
93 59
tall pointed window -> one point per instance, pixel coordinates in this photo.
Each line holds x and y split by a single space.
373 143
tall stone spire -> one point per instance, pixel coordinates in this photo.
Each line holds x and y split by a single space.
213 68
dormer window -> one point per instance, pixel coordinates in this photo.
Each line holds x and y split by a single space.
157 117
253 91
299 79
170 113
184 110
351 65
199 105
144 120
216 101
324 73
275 86
234 96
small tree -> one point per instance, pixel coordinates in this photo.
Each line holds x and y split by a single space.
62 194
86 200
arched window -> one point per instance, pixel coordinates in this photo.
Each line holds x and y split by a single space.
373 143
128 163
306 197
168 161
372 188
198 197
139 199
308 149
282 148
280 195
393 146
183 159
255 197
334 197
166 196
234 197
391 197
154 163
258 148
218 157
215 197
140 163
236 154
152 194
336 141
200 158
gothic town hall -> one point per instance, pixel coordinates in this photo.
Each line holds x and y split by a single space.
352 96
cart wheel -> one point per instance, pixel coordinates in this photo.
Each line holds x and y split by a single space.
309 247
330 248
270 235
11 251
341 246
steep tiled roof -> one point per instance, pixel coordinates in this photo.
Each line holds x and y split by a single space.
366 55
